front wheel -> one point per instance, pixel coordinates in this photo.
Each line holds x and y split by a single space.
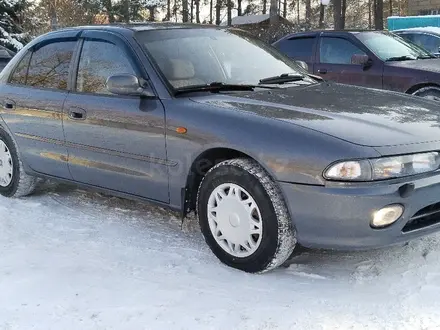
430 92
243 216
14 182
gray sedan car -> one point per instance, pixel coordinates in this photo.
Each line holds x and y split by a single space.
211 120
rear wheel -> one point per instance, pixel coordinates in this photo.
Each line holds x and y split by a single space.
431 92
243 216
14 182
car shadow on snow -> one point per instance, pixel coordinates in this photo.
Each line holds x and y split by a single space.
358 266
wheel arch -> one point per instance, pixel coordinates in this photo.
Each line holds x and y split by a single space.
202 164
417 87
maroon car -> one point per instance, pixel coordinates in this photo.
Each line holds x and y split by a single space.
376 59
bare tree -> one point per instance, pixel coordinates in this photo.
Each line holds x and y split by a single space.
308 14
229 11
197 3
285 8
321 15
264 7
273 12
378 14
337 14
343 13
218 8
185 11
211 5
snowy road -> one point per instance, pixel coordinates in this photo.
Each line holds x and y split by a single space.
71 259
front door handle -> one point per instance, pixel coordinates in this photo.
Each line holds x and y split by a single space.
77 114
322 71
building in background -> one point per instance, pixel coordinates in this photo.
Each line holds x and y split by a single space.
424 7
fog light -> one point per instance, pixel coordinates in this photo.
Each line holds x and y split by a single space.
387 215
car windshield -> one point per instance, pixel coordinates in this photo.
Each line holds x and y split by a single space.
200 56
388 46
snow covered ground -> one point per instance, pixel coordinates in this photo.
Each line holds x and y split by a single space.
71 259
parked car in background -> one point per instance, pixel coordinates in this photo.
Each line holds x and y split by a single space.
376 59
426 37
268 156
5 56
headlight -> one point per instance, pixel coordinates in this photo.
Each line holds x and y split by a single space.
383 168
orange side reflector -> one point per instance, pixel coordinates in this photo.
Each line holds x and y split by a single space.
181 130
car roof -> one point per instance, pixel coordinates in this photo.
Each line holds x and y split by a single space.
317 32
432 29
141 26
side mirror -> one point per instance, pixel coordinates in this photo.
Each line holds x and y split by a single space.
361 59
127 84
303 65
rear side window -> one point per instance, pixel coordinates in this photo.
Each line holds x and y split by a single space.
338 51
49 65
298 48
100 60
20 72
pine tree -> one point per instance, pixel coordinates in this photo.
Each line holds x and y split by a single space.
11 18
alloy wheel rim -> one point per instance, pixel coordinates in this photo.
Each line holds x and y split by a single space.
6 165
235 220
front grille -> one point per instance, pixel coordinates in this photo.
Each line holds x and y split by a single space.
427 216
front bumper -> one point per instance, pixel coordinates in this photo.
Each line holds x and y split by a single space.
337 216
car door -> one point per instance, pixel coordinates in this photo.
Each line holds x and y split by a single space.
32 103
114 142
299 48
335 63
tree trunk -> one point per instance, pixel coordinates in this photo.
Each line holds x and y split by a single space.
391 8
218 7
191 15
308 14
229 12
343 13
264 7
168 17
211 5
378 15
239 9
369 15
109 8
297 11
53 16
127 11
273 12
321 16
185 11
197 11
337 14
285 9
152 10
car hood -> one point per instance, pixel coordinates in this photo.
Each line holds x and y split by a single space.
432 65
361 116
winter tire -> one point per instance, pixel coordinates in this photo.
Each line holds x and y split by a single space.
431 92
14 182
243 216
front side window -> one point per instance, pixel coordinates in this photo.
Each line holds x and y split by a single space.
100 60
389 47
49 65
337 51
189 57
428 42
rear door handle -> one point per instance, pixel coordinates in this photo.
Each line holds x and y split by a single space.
322 71
9 105
77 114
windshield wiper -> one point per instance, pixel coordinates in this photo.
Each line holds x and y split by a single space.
425 57
216 87
282 78
400 58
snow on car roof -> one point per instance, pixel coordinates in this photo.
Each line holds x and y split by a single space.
433 29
